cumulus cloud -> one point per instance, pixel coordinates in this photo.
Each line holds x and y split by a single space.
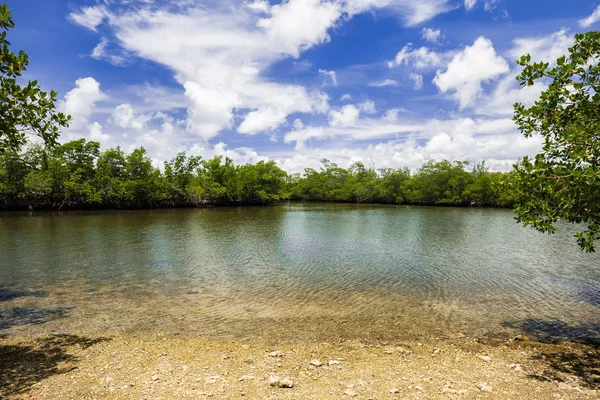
469 69
431 35
591 19
346 97
79 102
469 4
90 17
347 116
420 59
543 48
124 117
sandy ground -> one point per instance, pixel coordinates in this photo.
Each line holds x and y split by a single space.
155 366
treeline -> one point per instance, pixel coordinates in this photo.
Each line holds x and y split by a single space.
435 183
78 175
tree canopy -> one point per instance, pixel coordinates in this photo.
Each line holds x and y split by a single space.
25 110
78 174
563 181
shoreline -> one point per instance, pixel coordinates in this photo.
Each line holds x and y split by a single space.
158 366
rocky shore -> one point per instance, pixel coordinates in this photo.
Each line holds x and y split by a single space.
170 366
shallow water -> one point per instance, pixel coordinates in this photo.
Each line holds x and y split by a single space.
295 271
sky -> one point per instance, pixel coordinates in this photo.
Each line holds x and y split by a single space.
389 83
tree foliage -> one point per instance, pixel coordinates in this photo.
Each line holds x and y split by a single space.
435 183
563 182
78 175
23 109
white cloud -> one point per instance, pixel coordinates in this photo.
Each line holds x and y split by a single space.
431 35
543 48
261 6
346 97
506 93
90 17
218 56
298 124
469 4
100 52
383 83
300 136
417 80
591 19
297 25
79 102
124 117
467 70
331 75
391 115
347 116
368 107
412 12
420 59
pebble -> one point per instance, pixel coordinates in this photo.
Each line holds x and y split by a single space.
286 383
333 362
316 363
516 367
394 390
484 387
281 383
484 358
154 378
350 393
276 354
274 381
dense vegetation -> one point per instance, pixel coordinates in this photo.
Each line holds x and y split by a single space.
563 181
78 175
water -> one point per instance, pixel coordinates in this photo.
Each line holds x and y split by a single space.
294 271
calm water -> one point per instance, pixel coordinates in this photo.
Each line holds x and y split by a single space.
294 270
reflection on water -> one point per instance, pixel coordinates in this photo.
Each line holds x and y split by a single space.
294 269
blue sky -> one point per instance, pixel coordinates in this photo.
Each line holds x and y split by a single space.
391 83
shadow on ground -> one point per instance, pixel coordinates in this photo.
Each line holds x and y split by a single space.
573 352
21 366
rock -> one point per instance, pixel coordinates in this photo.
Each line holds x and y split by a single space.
516 367
246 378
394 390
274 381
350 392
484 358
154 378
436 351
286 383
564 386
485 387
316 363
419 388
276 354
333 362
